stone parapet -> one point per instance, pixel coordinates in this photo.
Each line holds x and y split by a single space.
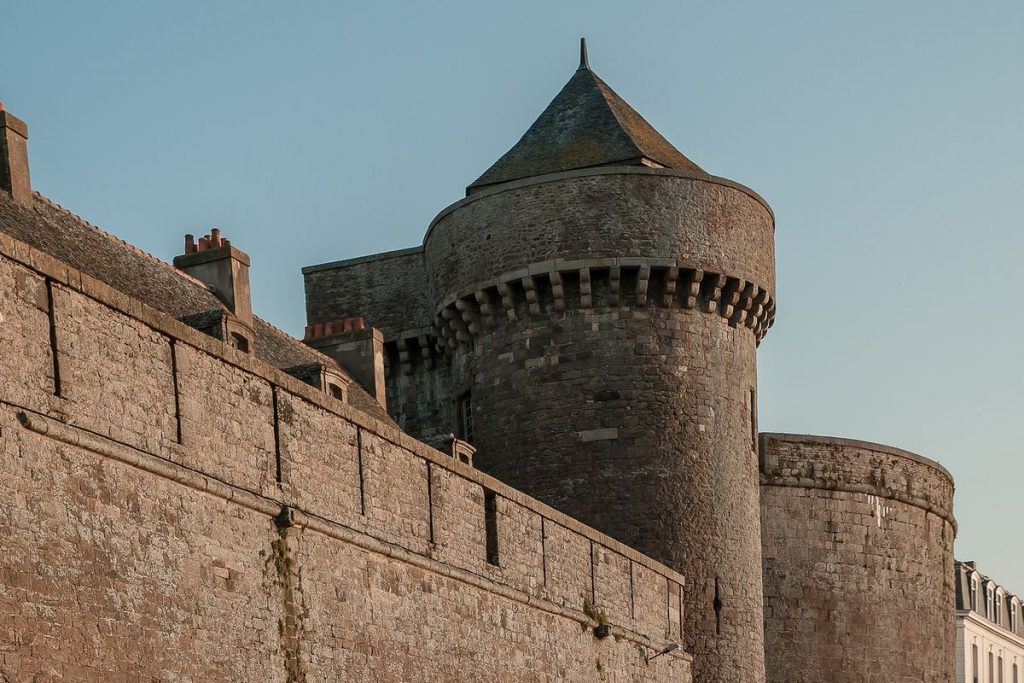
830 463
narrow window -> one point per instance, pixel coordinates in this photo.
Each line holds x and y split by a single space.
491 524
753 420
999 609
717 605
362 477
464 417
1015 674
974 663
430 501
277 432
991 668
177 391
1013 617
974 595
1000 669
52 314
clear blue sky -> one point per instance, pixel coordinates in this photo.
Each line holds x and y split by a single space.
887 137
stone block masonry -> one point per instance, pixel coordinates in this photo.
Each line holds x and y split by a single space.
173 509
601 325
858 562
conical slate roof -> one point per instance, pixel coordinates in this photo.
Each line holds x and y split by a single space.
587 124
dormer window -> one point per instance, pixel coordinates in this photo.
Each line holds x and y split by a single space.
989 603
1013 616
999 609
239 342
974 594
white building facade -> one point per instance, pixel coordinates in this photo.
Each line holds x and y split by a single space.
989 630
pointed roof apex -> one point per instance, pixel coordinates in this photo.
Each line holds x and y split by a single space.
586 125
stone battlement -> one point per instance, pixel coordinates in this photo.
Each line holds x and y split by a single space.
118 401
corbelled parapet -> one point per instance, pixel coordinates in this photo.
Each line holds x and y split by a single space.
562 284
14 173
355 347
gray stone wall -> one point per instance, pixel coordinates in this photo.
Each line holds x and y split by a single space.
131 553
606 327
388 290
858 562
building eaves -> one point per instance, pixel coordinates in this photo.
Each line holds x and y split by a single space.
52 229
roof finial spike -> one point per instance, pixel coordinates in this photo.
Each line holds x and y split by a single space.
584 61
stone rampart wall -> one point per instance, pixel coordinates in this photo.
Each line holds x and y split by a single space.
176 509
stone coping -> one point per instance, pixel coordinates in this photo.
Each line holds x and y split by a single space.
855 443
598 171
382 256
63 274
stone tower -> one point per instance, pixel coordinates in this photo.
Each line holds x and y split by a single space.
602 299
588 317
858 550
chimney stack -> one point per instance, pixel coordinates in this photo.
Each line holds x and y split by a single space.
225 269
14 177
356 348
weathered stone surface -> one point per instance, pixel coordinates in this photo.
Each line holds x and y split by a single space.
858 563
612 402
388 290
130 556
601 215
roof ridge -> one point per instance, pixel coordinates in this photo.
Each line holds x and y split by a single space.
586 125
327 360
637 128
606 95
131 247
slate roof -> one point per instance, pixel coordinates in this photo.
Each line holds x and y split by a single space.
56 231
587 124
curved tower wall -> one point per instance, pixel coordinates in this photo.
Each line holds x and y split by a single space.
858 562
603 325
